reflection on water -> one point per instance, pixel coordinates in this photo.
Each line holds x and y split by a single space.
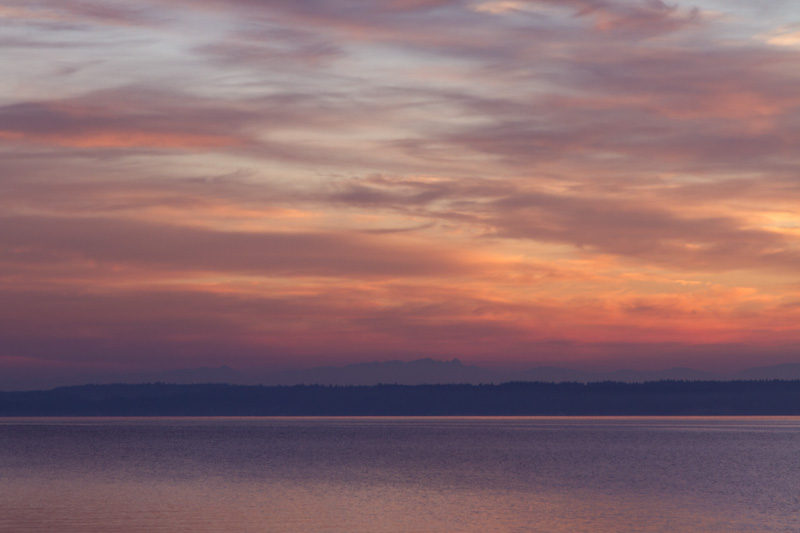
400 474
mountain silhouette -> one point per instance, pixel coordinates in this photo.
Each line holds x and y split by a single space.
784 371
418 372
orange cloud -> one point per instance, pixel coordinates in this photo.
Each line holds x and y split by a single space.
126 139
582 181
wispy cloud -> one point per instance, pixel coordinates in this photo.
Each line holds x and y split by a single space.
512 181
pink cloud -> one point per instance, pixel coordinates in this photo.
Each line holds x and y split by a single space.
577 180
283 253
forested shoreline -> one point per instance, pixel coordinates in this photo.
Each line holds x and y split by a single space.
673 398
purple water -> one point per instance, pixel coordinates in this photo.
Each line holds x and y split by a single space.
400 474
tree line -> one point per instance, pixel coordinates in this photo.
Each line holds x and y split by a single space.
684 398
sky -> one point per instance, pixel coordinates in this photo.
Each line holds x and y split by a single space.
593 184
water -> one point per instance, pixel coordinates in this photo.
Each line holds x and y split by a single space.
399 474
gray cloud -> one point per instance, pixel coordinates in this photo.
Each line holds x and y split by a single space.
649 232
106 240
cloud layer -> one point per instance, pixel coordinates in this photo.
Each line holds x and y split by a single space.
256 183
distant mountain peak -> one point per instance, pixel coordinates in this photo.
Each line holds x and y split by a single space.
420 371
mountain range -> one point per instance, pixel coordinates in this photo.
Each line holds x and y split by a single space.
429 371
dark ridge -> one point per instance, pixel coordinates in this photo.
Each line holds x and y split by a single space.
674 398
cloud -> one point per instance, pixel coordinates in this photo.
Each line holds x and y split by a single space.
646 16
133 119
275 253
126 118
275 47
787 35
652 232
52 13
317 178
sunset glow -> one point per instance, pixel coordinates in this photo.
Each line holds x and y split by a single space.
592 184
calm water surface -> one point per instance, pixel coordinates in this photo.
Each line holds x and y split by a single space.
399 474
